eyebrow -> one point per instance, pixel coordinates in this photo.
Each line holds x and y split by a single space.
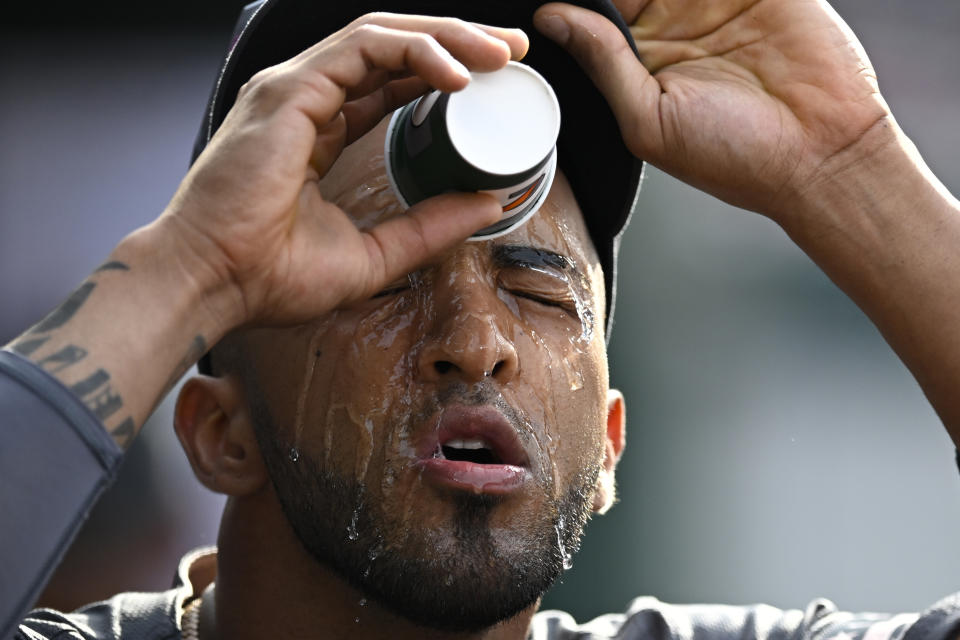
518 255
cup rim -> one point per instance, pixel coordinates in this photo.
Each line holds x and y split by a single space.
459 139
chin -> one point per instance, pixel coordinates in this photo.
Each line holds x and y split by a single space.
468 572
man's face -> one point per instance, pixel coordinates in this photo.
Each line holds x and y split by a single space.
438 445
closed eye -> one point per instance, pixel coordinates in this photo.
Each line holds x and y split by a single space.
560 303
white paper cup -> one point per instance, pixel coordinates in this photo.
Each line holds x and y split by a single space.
497 136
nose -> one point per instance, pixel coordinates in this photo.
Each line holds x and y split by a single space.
468 344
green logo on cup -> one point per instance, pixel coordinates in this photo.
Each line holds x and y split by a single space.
498 136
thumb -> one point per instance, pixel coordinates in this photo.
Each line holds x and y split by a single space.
405 242
606 57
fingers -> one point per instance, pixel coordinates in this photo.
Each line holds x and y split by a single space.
404 243
364 113
375 50
472 43
439 50
685 19
360 116
361 61
516 39
342 86
605 55
630 10
379 63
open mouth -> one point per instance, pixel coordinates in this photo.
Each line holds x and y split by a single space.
474 449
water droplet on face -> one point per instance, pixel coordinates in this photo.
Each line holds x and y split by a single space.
352 533
372 554
363 602
356 620
587 319
567 560
294 454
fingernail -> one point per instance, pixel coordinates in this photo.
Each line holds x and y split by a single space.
553 26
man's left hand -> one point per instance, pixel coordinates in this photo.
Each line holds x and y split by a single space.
749 100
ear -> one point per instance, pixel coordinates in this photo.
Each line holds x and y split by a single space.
215 429
616 435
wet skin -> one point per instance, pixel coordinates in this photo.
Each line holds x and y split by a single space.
498 341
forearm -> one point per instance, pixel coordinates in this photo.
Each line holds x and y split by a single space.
129 331
115 346
887 232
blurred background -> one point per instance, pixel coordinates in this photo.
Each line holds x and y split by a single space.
777 451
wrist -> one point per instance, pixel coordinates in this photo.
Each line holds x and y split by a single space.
192 275
872 191
131 329
885 230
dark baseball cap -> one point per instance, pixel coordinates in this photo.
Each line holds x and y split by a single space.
604 175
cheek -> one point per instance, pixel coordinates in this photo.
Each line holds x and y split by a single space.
359 403
562 385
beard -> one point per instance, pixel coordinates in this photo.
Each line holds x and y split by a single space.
464 577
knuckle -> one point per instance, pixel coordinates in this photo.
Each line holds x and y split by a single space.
375 17
366 31
422 41
362 20
251 86
267 85
458 23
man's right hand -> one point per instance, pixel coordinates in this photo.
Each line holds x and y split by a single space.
251 222
248 238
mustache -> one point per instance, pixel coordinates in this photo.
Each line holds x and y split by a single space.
483 394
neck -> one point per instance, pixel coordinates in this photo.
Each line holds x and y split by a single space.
269 586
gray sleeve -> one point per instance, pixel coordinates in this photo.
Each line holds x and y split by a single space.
939 622
651 619
55 460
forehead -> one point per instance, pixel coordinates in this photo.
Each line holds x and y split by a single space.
358 183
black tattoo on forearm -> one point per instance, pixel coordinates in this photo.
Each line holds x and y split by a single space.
65 312
99 397
92 383
57 362
113 265
95 391
27 346
124 433
62 314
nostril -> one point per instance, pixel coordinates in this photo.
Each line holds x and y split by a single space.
442 366
497 368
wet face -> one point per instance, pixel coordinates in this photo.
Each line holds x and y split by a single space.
438 445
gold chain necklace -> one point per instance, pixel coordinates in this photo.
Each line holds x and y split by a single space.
190 621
